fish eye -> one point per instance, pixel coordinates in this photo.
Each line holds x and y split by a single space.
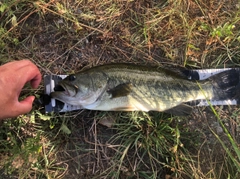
71 77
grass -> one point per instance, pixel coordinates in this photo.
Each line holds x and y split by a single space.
62 37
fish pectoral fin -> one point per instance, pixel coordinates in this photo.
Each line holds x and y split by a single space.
193 103
180 110
120 90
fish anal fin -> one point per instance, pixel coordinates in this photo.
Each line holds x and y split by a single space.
120 90
180 110
127 108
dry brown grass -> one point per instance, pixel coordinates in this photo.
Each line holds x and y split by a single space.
62 37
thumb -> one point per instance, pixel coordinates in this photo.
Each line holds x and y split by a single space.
25 105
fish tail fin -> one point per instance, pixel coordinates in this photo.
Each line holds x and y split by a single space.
226 85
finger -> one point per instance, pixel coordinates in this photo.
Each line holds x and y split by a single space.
25 105
31 74
28 72
35 76
36 80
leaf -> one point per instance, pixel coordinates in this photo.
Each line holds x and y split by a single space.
43 117
14 20
3 7
65 129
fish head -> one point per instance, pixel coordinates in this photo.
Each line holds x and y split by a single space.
81 89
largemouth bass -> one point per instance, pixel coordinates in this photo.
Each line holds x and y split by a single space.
128 87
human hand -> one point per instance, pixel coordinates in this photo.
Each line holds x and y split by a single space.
13 76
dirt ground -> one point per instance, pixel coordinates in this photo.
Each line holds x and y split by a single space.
59 46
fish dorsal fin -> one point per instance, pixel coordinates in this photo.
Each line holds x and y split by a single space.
180 110
178 71
120 90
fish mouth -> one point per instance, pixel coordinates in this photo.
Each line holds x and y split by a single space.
62 89
59 88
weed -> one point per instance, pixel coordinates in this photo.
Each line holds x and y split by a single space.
233 152
148 147
62 37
